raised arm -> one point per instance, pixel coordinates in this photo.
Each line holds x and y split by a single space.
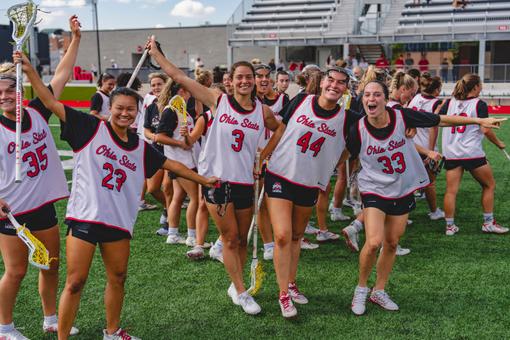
65 67
42 91
206 95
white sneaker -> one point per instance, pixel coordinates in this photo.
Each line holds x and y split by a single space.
147 206
347 202
359 300
402 251
175 239
191 241
197 253
162 231
268 254
163 219
331 206
339 216
409 222
311 230
494 228
381 298
286 306
452 230
120 334
436 215
305 244
13 335
248 304
351 237
206 245
296 295
324 236
232 292
216 253
53 328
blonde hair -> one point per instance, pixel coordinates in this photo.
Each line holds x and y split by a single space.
202 76
402 79
8 68
165 95
372 74
465 85
159 75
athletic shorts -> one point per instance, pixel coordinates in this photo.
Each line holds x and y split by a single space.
277 187
399 206
174 176
240 195
41 219
466 164
95 233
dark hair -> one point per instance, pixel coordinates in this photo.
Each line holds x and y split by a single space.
124 91
385 89
123 80
281 73
239 64
465 85
429 84
414 73
314 83
174 87
104 77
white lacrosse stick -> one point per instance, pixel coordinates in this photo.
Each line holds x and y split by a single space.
22 17
137 68
38 255
506 154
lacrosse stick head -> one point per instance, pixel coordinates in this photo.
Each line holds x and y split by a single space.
22 17
178 105
256 277
38 255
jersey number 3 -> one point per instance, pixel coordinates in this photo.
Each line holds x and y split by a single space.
238 140
389 168
120 177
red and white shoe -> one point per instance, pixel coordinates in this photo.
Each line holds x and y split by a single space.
494 228
296 295
286 306
120 334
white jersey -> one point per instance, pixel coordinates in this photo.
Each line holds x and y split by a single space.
105 108
186 157
463 142
140 118
423 104
232 139
276 108
393 104
210 118
310 147
43 179
107 182
390 168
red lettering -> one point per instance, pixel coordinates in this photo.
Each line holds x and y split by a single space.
305 121
39 136
225 118
127 163
250 125
395 145
107 152
324 128
11 148
374 150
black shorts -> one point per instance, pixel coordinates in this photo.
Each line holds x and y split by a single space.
95 233
41 219
466 164
277 187
174 176
240 195
397 207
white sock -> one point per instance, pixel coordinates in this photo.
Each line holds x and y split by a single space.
488 218
336 210
268 245
449 221
49 320
142 202
7 328
357 225
173 231
192 233
218 243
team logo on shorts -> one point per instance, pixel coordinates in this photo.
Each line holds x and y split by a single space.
277 188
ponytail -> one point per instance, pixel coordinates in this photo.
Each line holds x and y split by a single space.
465 85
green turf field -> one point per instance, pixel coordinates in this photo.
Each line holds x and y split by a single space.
447 288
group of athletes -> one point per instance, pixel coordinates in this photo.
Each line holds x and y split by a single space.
127 147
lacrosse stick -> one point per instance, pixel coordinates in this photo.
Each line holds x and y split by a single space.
256 271
137 68
38 255
259 203
178 104
22 17
506 154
